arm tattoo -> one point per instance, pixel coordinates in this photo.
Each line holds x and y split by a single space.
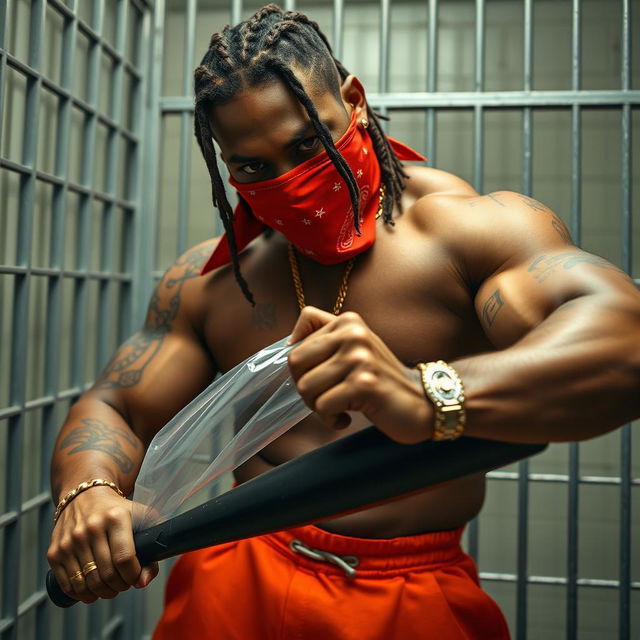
95 435
128 364
492 307
264 316
544 266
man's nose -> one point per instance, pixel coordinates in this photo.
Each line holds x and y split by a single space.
282 166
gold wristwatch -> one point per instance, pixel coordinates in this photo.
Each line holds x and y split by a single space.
443 386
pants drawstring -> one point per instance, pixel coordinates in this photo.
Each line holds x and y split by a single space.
346 563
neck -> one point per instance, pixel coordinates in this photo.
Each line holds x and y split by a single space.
326 286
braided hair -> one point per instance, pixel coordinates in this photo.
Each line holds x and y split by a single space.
256 51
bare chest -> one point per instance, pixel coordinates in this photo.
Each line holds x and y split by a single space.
406 288
409 292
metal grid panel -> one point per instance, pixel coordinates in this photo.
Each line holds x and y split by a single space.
71 88
531 103
88 204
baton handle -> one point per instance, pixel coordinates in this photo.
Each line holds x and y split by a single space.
359 470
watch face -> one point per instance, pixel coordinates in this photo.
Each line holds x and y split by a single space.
444 383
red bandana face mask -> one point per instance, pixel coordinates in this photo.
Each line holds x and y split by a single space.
310 205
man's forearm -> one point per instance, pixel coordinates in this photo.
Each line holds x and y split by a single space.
575 376
95 442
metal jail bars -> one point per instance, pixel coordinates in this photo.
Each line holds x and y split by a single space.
72 87
101 186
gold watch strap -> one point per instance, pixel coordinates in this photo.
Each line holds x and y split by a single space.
449 423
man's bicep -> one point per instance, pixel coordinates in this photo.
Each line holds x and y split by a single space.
149 380
517 299
159 369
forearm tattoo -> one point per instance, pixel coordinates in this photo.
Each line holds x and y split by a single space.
95 435
128 365
545 266
492 307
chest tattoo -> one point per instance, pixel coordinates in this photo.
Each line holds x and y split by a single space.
264 315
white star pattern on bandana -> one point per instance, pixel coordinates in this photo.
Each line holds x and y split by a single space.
320 212
278 221
337 186
306 221
252 193
365 151
359 173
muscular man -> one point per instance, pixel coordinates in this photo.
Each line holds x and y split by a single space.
543 335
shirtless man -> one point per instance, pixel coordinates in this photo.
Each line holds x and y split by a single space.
543 335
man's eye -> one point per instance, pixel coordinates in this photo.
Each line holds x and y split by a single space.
252 168
308 144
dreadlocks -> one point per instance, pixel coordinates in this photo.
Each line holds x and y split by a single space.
256 51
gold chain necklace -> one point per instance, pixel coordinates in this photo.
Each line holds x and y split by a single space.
344 284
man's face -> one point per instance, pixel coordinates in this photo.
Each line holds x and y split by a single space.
264 131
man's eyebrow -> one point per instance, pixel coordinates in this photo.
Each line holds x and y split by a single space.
295 139
244 159
300 134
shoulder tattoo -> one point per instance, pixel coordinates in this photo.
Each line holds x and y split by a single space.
264 315
127 366
561 229
556 222
532 203
493 196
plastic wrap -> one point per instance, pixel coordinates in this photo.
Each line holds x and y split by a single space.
230 421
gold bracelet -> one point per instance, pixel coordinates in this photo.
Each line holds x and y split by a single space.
83 486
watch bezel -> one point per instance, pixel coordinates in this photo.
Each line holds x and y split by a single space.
435 395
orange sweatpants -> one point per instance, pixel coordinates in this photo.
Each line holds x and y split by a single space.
410 588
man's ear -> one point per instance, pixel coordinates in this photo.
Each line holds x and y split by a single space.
352 93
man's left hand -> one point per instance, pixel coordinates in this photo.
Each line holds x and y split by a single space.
340 365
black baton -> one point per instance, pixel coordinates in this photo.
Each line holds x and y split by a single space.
359 470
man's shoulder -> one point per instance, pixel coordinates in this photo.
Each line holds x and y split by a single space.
426 181
435 201
195 258
190 263
488 231
181 281
501 214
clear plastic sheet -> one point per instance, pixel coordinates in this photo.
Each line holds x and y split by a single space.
230 421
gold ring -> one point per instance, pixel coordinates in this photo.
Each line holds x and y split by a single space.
77 576
89 567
